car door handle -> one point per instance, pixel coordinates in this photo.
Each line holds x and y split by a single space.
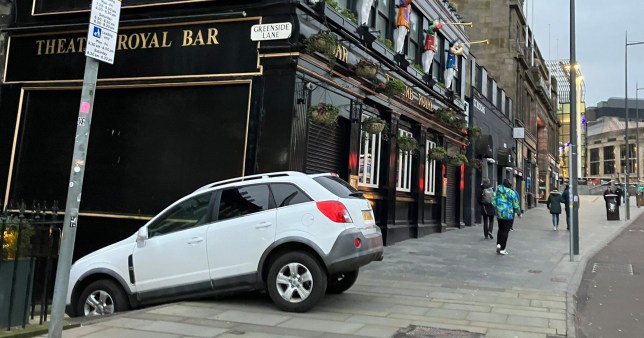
195 240
263 225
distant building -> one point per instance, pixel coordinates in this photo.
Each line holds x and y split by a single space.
607 151
514 60
614 107
560 69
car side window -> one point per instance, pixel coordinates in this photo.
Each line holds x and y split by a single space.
286 194
244 200
188 214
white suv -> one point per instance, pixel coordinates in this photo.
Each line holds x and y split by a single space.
294 235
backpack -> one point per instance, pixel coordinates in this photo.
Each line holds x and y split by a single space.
487 196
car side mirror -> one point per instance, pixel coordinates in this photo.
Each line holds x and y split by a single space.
142 235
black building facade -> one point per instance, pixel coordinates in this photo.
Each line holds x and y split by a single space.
191 99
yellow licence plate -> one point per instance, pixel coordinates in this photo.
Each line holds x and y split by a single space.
367 215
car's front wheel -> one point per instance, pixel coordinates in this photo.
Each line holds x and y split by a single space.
102 297
296 282
341 282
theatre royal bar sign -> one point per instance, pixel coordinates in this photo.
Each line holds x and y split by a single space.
209 48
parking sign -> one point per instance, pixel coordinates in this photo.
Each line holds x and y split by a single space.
103 30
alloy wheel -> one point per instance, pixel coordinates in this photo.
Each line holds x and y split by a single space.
294 282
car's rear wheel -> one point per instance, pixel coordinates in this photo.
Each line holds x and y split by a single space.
102 297
296 282
341 282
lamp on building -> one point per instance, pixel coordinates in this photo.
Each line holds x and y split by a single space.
626 45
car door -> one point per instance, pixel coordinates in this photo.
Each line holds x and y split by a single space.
244 229
174 256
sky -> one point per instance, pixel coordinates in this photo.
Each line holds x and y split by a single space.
601 27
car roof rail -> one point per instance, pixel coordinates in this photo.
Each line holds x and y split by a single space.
251 177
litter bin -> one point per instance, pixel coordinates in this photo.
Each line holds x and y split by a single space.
612 210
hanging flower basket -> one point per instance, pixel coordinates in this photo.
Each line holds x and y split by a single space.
325 114
476 163
394 88
458 159
474 132
366 69
324 42
373 125
407 143
438 154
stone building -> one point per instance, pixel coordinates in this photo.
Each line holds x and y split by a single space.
513 58
605 140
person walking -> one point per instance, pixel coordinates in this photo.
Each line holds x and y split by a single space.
506 203
566 200
487 208
554 205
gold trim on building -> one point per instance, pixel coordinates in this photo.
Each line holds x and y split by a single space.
259 67
13 148
279 55
33 7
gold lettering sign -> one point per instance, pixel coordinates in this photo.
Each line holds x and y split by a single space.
133 41
342 54
410 94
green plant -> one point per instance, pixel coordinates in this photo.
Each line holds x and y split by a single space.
323 42
476 163
473 132
14 228
419 68
438 153
332 3
394 87
373 125
366 69
349 15
450 118
458 159
407 143
387 43
325 114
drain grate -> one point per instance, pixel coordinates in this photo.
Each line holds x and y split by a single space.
622 269
414 331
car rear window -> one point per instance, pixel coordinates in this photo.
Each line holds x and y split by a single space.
338 187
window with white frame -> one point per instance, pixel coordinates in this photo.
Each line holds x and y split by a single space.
369 164
403 181
430 170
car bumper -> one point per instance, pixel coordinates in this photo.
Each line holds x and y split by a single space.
345 256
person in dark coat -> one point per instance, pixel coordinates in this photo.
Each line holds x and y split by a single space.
566 200
487 208
620 193
554 205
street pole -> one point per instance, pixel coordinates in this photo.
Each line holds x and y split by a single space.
73 198
571 200
637 130
102 34
627 204
572 168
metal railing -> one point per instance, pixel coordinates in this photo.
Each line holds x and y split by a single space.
29 244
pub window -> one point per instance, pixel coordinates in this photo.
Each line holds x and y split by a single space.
490 89
479 76
594 161
414 37
369 163
430 170
609 160
382 18
439 59
632 155
403 182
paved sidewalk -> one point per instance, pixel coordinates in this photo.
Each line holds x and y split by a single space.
453 280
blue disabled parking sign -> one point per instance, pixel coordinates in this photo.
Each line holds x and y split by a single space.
97 32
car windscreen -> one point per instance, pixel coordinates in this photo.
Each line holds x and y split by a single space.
338 187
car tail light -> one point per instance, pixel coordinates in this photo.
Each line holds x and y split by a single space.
357 243
335 211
